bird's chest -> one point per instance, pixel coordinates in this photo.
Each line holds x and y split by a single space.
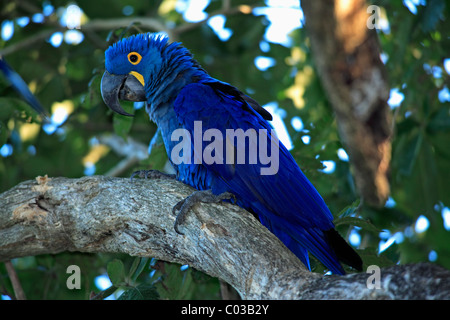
179 146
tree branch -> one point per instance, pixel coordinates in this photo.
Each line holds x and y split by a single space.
18 291
347 56
226 10
132 150
105 214
145 23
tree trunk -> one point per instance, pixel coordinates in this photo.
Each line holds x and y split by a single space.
347 56
103 214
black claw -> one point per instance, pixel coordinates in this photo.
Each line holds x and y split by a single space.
205 196
179 221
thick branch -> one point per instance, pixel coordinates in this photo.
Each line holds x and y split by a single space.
101 214
347 56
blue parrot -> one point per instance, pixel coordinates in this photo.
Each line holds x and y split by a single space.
185 101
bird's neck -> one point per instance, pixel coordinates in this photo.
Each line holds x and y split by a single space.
165 87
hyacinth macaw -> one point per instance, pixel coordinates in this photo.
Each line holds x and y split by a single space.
180 93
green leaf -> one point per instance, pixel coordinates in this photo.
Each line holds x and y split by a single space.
144 291
134 266
116 272
175 284
137 267
440 121
350 210
364 224
371 257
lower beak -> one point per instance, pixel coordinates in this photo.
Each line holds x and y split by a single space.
123 87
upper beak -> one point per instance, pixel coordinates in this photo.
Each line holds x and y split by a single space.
124 87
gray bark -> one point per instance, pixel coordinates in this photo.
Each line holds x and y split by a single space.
103 214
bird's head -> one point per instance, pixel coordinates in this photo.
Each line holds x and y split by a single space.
130 65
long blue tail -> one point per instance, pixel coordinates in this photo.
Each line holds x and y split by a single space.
325 246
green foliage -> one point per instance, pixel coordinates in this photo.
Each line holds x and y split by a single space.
45 276
143 291
116 272
165 281
416 46
133 290
122 125
174 282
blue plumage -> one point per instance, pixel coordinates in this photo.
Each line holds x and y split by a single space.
180 95
21 87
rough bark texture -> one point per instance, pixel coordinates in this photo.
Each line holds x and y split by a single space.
347 57
101 214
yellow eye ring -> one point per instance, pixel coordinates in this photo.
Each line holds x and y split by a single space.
134 57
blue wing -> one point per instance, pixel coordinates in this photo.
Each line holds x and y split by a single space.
286 202
21 87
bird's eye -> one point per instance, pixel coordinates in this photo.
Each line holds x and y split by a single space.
134 58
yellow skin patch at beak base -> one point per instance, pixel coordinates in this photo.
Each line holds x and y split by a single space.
138 76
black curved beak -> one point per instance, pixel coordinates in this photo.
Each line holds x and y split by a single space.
123 87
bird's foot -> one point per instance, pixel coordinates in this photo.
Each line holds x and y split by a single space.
205 196
151 174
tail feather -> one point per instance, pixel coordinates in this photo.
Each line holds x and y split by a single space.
316 243
327 246
301 241
343 251
293 245
21 87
